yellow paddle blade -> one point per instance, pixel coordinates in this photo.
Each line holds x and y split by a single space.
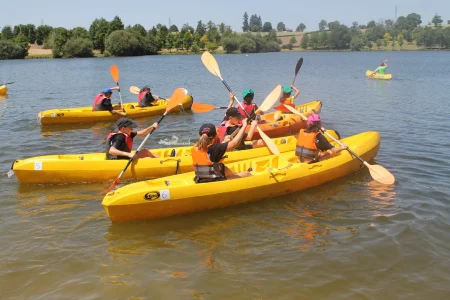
296 112
211 64
177 97
201 107
380 174
114 73
135 90
269 143
271 99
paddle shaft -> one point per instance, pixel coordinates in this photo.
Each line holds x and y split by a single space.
7 83
297 68
348 149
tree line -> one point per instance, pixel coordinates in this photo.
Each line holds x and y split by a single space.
113 38
334 35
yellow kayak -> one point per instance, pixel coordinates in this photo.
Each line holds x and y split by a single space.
94 167
3 89
273 176
86 115
378 76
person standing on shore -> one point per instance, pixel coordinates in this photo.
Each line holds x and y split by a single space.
102 102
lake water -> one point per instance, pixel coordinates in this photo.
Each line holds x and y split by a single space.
347 239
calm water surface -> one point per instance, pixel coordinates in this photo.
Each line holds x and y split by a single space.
348 239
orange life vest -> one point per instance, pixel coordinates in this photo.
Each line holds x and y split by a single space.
97 100
306 145
288 101
205 168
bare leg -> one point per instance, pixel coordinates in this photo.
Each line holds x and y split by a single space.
231 175
145 153
258 144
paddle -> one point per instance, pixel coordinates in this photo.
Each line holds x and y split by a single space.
377 172
7 83
178 95
202 108
135 90
211 64
297 68
115 75
389 57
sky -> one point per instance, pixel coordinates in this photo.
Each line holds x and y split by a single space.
148 13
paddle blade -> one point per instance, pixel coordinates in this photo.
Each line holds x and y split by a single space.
202 108
380 174
211 64
114 73
135 90
177 97
269 143
293 110
271 99
298 66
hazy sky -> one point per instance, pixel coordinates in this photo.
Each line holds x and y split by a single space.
149 13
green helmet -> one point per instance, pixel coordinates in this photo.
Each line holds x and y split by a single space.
248 92
287 89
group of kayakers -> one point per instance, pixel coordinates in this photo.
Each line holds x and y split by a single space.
209 151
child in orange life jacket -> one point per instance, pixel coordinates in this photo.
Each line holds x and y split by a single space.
287 99
102 102
207 156
119 144
145 97
227 127
311 142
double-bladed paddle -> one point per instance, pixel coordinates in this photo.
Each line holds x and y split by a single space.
211 64
177 97
377 172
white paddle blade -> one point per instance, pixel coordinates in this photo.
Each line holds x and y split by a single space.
380 174
269 143
134 90
211 64
271 99
293 110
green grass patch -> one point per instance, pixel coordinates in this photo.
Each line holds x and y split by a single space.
38 56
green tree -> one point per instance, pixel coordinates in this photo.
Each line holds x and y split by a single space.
222 28
78 47
323 39
115 24
98 32
245 26
333 25
195 48
354 25
188 40
314 40
201 29
281 26
340 38
124 43
271 36
384 43
293 40
254 23
31 33
138 29
79 32
7 33
230 44
173 28
357 42
267 27
400 40
211 46
305 41
371 24
42 32
437 20
59 37
11 50
247 45
393 44
387 36
379 42
271 46
301 27
170 41
213 35
322 25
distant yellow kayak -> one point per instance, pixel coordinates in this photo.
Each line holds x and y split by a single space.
3 89
378 76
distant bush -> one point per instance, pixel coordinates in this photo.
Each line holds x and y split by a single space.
195 48
247 45
288 46
78 47
11 50
272 47
230 44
